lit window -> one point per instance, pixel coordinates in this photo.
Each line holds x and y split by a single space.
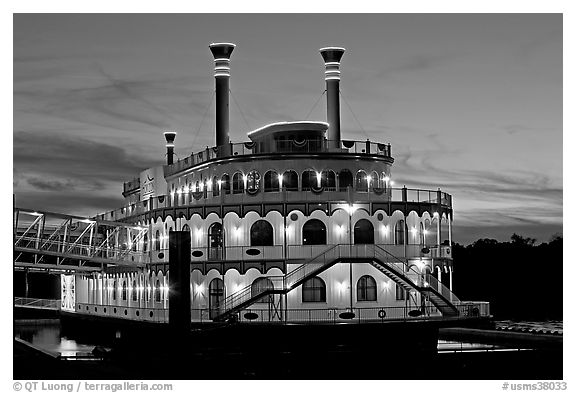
314 290
259 286
261 234
400 293
313 233
366 289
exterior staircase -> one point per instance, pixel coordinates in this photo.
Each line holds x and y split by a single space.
393 267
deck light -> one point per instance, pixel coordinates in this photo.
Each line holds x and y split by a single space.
414 230
391 182
436 214
368 180
219 184
199 289
350 208
425 231
186 189
209 183
386 179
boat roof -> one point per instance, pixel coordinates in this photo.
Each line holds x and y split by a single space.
313 127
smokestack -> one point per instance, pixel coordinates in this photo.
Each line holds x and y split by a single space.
222 53
332 56
170 136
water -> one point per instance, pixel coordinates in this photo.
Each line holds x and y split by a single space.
46 336
543 327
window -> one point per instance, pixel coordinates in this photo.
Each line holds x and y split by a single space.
422 241
237 183
363 232
290 181
361 181
134 291
260 285
374 180
261 234
157 293
271 182
309 180
157 241
215 296
215 188
145 243
314 290
186 228
400 293
215 242
328 180
400 232
114 289
366 289
225 184
253 182
345 179
124 291
313 233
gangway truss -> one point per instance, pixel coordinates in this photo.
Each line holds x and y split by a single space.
64 243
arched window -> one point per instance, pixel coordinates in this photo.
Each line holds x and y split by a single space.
314 290
428 232
215 242
215 187
363 232
145 243
261 284
253 182
313 233
345 179
157 241
261 234
374 180
421 234
124 291
215 296
361 181
186 228
290 181
225 184
134 291
157 292
271 182
114 290
328 180
400 232
366 289
237 183
309 180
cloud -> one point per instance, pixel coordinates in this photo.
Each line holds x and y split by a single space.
417 63
50 185
85 164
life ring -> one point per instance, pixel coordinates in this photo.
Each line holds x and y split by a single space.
382 314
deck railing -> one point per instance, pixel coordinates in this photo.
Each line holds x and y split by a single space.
253 148
264 313
210 198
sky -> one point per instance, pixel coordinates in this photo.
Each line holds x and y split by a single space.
471 103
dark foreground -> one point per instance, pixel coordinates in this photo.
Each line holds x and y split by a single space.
379 351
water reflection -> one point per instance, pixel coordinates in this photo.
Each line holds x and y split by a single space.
47 336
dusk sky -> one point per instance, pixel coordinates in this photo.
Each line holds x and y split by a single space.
471 103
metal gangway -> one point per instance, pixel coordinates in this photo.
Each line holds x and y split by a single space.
38 304
57 242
